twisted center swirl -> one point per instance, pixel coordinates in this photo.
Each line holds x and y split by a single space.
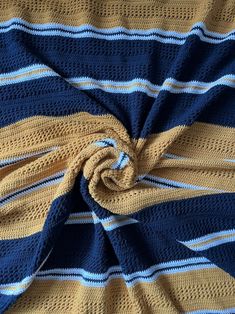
113 165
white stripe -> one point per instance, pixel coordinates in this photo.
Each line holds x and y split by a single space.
116 33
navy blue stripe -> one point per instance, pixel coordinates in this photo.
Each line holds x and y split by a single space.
188 219
220 205
90 247
141 115
118 60
6 301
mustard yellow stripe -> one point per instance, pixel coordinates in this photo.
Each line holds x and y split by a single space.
140 197
194 290
205 140
30 210
56 131
170 15
21 176
210 178
11 168
205 147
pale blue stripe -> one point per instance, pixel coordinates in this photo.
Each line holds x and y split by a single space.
208 237
221 81
180 184
111 30
121 36
122 161
26 281
48 73
81 271
172 156
170 272
95 220
13 292
81 214
172 264
30 190
218 311
17 285
91 283
117 268
229 160
20 158
213 244
115 218
158 185
120 224
110 142
91 83
81 221
133 34
24 70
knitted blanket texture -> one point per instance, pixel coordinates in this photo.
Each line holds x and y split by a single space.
117 156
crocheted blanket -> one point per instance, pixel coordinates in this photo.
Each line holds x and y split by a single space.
117 156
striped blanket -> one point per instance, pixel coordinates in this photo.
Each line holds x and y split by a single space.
117 156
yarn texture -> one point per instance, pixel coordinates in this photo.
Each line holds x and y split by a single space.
117 156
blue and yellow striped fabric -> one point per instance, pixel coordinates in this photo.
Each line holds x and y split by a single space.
117 156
